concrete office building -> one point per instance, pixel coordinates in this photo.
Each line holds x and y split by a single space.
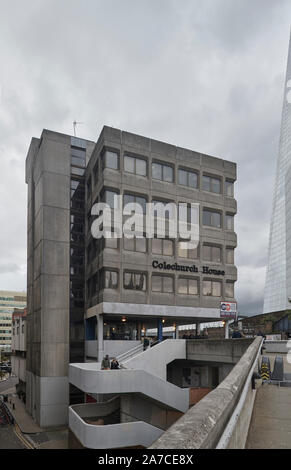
89 297
18 348
9 300
277 295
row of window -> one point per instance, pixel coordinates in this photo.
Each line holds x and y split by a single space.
108 279
210 217
163 247
77 239
17 330
162 172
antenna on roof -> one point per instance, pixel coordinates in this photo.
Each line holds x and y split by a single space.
75 124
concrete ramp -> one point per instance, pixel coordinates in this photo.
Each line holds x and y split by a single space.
271 420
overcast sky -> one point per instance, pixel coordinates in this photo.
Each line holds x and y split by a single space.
207 75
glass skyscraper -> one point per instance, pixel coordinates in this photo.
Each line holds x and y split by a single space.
278 276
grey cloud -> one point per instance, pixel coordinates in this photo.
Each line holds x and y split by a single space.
205 75
9 268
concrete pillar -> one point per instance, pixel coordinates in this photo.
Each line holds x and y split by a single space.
138 330
226 329
100 351
176 331
198 329
160 329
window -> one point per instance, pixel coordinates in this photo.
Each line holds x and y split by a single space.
78 157
229 188
135 244
229 255
162 284
163 213
212 288
187 286
110 160
212 253
229 289
77 189
187 252
135 165
229 221
109 279
211 218
212 184
135 281
162 246
162 172
108 197
188 178
130 198
77 171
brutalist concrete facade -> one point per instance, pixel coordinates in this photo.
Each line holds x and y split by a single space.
48 176
58 296
122 182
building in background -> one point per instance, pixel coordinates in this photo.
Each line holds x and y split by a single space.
18 349
277 295
9 300
89 297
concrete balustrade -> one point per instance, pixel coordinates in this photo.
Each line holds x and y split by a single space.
112 436
203 426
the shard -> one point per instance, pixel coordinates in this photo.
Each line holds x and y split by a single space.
277 296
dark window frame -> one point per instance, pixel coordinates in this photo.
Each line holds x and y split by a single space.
187 278
135 158
134 273
188 171
167 165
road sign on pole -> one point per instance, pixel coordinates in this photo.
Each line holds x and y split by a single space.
228 310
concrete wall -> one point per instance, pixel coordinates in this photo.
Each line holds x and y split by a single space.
48 178
112 436
155 360
18 366
97 409
89 379
18 342
136 408
111 347
280 347
226 351
203 425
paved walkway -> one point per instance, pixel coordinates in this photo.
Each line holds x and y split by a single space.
25 422
36 436
270 426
